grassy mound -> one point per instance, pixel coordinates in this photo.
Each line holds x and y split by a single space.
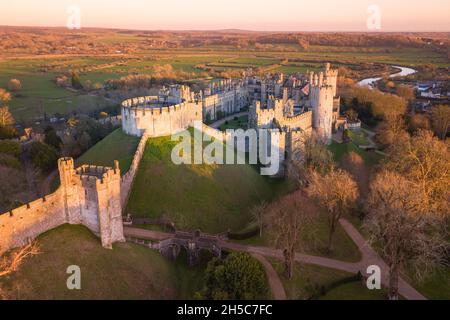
115 146
127 272
213 198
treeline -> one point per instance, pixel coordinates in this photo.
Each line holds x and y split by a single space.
15 40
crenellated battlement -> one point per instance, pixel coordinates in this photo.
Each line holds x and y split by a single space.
151 114
88 195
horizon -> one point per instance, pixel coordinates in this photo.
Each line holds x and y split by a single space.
252 16
231 30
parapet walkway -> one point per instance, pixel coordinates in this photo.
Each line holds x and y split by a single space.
369 257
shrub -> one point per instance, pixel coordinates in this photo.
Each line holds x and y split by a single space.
43 156
9 161
7 132
239 276
10 147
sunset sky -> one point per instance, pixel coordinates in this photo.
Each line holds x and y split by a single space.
278 15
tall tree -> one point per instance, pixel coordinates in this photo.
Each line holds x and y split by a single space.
337 192
425 161
14 85
258 213
5 97
441 120
396 224
287 220
76 82
6 118
312 155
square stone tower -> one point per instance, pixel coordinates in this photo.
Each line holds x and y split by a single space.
91 196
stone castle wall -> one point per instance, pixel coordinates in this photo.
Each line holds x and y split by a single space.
140 115
128 178
27 222
302 121
89 195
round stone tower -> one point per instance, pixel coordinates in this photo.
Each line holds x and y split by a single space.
321 99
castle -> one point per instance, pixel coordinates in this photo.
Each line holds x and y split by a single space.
94 196
289 107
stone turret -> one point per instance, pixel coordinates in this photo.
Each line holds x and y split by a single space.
91 196
331 77
321 101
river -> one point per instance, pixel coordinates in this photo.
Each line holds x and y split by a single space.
369 82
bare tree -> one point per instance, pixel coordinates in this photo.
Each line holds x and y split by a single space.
287 220
397 225
354 164
258 213
6 118
441 120
425 161
312 155
14 85
10 263
337 192
5 97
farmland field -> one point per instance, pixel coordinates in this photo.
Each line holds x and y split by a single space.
40 96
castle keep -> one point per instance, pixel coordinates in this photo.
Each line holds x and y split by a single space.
88 195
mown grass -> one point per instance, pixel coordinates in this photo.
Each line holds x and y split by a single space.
39 94
354 291
308 279
116 146
128 271
358 137
213 198
339 150
239 123
435 285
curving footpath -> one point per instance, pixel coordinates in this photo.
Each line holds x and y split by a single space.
275 283
369 257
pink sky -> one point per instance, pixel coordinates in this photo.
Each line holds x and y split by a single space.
279 15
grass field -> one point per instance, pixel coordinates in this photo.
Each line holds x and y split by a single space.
41 95
307 279
116 146
339 150
127 272
354 291
358 137
213 198
239 123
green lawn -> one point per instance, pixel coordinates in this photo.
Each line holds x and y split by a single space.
358 137
40 94
354 291
308 279
116 146
214 198
339 150
128 271
435 285
239 123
